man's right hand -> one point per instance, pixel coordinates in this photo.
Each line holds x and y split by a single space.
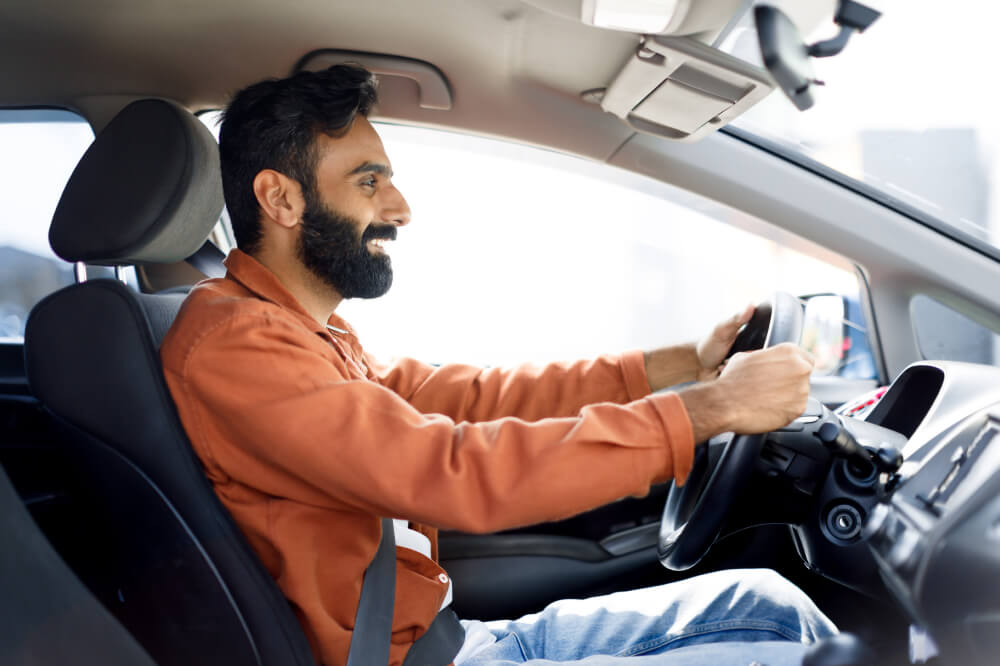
757 392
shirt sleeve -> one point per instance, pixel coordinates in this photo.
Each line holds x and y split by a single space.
528 392
270 410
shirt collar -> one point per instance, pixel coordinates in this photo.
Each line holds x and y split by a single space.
264 284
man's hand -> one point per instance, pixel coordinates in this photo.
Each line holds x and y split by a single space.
757 392
712 350
688 362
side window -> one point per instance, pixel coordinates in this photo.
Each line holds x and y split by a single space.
40 150
222 233
518 254
944 334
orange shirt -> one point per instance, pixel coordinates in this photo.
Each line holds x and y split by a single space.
308 441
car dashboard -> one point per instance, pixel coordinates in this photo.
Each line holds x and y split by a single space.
935 537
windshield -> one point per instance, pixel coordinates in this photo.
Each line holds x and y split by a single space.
909 108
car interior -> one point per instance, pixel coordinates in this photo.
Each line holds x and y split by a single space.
882 501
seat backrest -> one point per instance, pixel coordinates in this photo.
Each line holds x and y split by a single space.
167 558
47 616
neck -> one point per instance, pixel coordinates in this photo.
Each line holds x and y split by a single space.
317 298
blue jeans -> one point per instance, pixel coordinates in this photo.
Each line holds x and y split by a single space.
741 616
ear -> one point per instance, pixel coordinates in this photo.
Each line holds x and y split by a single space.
280 197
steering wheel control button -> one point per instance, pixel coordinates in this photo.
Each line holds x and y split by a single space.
843 522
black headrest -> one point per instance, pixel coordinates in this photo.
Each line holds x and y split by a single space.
147 190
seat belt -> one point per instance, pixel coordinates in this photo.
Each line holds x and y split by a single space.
373 621
372 633
440 643
208 260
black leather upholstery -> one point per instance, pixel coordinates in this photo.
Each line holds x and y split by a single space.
148 189
47 616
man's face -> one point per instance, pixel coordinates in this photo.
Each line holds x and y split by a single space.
351 213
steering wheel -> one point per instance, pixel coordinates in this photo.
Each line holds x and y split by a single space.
694 513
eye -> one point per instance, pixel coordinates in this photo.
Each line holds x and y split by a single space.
369 181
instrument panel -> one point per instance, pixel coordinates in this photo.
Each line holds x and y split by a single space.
936 537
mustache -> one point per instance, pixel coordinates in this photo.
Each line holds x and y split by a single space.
375 231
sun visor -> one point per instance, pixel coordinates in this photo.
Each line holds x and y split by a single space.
682 89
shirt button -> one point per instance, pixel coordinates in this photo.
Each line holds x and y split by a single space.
443 578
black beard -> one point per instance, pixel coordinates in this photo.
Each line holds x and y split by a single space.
330 248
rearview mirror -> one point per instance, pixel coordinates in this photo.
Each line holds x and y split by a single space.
787 56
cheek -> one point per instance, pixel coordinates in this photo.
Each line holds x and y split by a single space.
351 202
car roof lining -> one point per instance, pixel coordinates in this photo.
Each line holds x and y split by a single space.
516 72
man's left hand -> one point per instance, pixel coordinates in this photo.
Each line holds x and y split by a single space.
712 349
674 365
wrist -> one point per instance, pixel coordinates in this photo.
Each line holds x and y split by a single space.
708 409
670 366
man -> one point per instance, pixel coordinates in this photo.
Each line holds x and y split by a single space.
309 441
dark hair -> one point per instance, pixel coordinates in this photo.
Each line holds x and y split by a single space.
273 125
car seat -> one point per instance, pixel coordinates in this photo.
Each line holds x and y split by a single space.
164 555
48 616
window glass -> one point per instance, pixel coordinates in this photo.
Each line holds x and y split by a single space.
944 334
906 109
516 254
40 150
222 233
520 254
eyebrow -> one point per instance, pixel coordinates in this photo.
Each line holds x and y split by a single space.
372 167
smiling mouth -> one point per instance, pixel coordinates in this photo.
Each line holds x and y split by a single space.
377 245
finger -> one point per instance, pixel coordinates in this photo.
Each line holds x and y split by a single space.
799 351
791 349
730 328
737 357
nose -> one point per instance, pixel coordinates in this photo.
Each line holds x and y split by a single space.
395 210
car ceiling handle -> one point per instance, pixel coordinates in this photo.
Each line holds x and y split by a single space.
435 93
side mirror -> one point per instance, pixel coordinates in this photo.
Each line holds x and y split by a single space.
823 331
833 331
